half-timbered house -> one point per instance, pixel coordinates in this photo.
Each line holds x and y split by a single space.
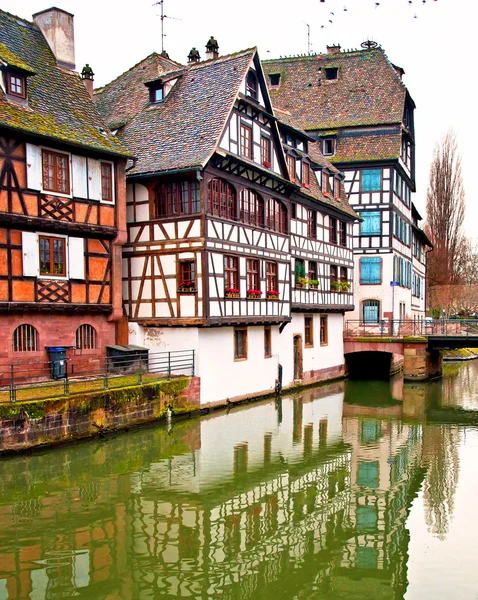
207 264
356 104
62 199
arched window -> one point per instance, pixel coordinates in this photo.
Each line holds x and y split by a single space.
25 338
371 311
252 208
86 337
222 199
178 198
251 85
276 216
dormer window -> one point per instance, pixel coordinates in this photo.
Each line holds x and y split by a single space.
328 146
17 85
331 73
156 94
251 85
274 79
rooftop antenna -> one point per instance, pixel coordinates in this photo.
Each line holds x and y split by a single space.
162 17
308 37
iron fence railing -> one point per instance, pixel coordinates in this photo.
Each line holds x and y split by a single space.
79 375
419 327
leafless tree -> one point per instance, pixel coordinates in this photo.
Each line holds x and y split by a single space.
446 213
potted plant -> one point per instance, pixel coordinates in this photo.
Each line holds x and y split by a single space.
254 294
300 278
232 292
267 164
187 286
313 283
273 294
340 286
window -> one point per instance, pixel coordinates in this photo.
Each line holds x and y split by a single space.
343 234
305 174
371 270
299 272
371 311
325 183
240 343
324 330
328 146
86 337
274 79
336 188
252 274
271 277
267 342
291 166
343 274
251 85
333 273
371 180
187 274
312 224
222 199
367 518
309 332
371 223
251 208
246 141
332 230
266 151
331 73
25 338
56 172
17 85
367 474
52 256
107 182
312 273
231 273
276 216
178 198
156 94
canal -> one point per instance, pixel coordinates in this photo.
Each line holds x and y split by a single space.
345 491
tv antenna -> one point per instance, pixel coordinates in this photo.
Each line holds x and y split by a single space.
308 36
162 17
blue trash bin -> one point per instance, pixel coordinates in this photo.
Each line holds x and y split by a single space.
57 356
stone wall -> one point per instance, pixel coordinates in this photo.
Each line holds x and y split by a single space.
26 425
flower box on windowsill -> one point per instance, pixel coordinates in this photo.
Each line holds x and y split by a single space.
267 164
187 290
340 286
273 295
254 294
232 293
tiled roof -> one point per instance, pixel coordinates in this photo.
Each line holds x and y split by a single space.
367 91
122 98
366 145
59 105
182 131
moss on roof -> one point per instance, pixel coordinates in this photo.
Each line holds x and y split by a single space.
12 60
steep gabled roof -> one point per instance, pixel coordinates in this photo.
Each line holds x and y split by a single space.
59 107
126 95
364 145
367 91
183 131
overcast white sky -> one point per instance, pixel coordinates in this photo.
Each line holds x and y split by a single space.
432 40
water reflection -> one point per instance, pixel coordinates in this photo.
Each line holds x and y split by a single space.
304 497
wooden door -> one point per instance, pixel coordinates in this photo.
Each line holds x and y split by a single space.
297 357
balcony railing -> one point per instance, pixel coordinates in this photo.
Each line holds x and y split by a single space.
419 327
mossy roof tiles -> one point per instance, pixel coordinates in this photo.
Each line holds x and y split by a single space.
183 131
59 106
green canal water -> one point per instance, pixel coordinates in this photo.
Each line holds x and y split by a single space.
346 491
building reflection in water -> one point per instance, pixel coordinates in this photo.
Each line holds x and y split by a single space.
295 497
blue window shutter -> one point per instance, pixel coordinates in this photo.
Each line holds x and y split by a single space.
371 180
370 268
370 224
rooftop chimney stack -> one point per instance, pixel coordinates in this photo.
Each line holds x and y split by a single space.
212 48
58 28
335 49
194 56
88 76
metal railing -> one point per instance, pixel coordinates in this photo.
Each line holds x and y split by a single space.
420 327
87 374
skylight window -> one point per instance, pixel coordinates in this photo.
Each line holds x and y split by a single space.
157 94
274 79
331 73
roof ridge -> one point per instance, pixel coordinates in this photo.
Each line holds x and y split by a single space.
323 55
102 88
222 58
8 14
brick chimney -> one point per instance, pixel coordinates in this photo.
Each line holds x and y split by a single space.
335 49
58 29
212 48
88 76
194 56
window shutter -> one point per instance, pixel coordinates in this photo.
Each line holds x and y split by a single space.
30 254
79 176
76 258
94 179
34 167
